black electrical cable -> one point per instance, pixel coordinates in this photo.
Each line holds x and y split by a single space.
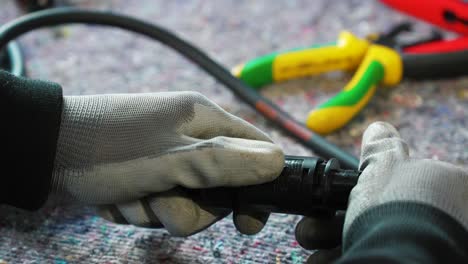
13 59
58 16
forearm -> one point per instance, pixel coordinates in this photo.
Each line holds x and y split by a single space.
405 232
30 112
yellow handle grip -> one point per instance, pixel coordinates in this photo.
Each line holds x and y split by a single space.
345 54
380 64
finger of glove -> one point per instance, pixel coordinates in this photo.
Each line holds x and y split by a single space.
325 256
221 161
136 213
111 213
382 144
249 222
382 149
139 213
180 215
210 120
320 233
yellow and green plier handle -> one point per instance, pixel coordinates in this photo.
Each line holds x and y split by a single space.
374 63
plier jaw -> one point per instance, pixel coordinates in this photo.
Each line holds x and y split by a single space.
391 38
431 57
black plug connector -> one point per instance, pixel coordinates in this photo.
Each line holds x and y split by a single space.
306 186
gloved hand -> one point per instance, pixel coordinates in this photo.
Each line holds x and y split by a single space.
131 153
388 175
321 232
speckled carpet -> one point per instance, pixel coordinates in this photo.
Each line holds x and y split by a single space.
431 115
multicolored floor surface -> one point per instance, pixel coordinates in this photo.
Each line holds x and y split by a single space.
431 115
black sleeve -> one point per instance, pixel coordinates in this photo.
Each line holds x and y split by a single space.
30 111
405 232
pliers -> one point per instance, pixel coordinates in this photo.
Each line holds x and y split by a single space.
376 60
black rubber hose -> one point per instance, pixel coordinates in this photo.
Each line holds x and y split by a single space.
58 16
14 61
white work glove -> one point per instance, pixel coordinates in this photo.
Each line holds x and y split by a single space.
389 175
130 152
